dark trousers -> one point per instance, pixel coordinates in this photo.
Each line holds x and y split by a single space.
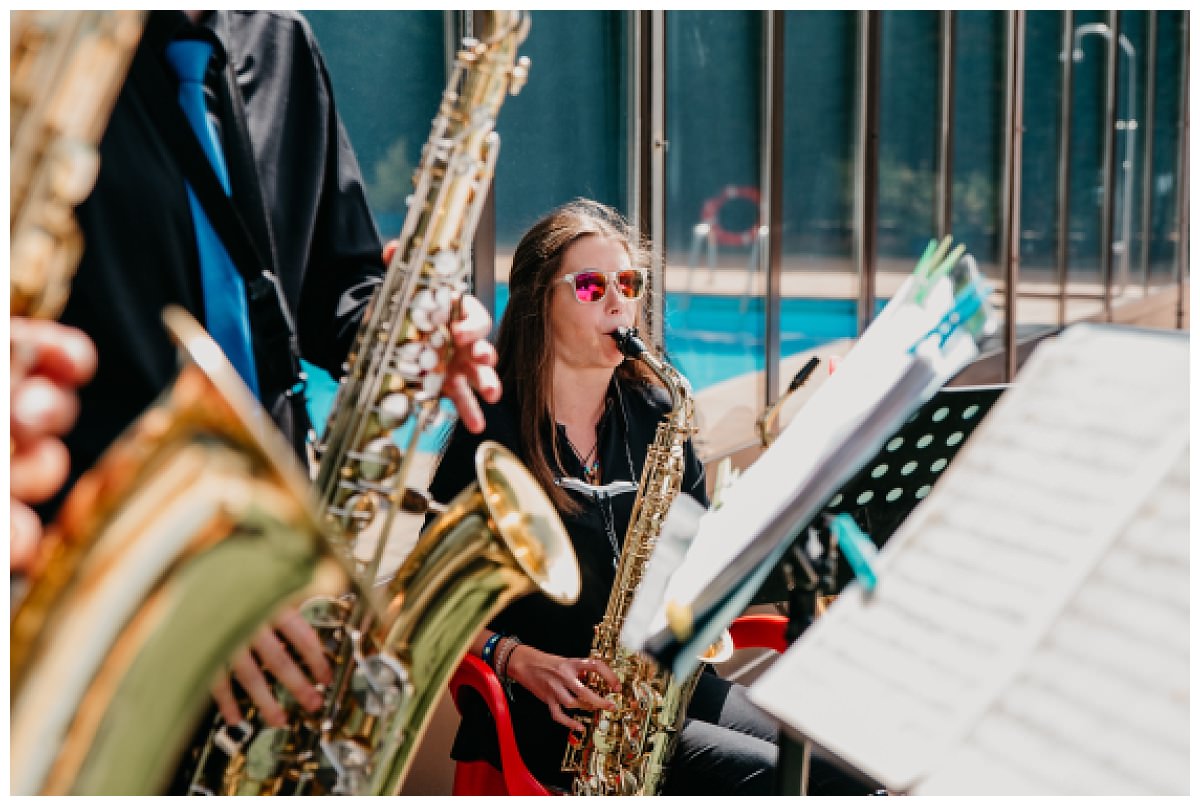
727 745
730 747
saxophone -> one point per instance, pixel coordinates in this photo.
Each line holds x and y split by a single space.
499 539
165 558
66 69
114 637
624 752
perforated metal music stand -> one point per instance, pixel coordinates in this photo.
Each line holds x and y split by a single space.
883 493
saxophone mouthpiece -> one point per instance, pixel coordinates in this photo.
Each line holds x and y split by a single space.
628 342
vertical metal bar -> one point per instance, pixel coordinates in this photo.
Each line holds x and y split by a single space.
945 144
483 245
866 164
638 120
657 218
1183 184
1109 164
771 182
1146 131
1010 210
483 248
453 30
1063 190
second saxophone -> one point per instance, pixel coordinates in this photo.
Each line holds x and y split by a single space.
625 752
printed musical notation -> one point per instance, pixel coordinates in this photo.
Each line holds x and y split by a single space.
998 651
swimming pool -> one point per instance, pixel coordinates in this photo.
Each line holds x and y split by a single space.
710 338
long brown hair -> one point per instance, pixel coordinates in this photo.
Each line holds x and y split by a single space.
524 342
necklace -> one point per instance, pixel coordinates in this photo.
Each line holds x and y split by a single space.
601 498
591 467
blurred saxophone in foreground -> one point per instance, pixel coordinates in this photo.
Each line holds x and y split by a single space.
66 70
190 530
500 539
166 557
625 752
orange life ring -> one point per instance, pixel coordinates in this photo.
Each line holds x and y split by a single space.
710 214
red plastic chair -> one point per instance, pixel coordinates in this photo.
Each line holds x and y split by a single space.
481 778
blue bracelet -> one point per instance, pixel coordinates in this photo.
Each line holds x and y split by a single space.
489 649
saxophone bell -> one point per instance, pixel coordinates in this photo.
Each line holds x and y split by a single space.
165 558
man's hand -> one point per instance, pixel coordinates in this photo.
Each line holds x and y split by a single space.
49 362
473 364
474 360
270 653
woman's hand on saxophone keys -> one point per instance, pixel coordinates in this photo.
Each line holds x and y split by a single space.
474 360
268 652
560 682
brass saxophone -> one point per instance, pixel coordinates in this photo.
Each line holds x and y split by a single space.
499 539
165 558
66 70
624 752
191 528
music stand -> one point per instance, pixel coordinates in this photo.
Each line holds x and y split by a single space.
879 498
883 493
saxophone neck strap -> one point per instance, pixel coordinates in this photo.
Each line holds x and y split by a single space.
610 490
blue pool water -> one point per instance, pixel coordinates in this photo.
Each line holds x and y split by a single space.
710 339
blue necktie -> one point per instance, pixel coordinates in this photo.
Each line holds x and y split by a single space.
224 291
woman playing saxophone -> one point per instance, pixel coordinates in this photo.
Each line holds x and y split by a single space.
582 417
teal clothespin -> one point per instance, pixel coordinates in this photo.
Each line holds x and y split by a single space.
857 548
966 305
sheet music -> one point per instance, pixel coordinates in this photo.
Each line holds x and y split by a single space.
983 572
865 378
1102 706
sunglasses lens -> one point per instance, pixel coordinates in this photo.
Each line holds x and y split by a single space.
590 286
631 283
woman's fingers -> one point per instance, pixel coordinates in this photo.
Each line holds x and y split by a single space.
559 716
597 666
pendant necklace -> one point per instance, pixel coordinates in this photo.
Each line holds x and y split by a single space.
591 467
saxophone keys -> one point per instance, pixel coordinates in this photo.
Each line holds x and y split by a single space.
518 76
415 359
447 263
74 169
357 513
424 311
393 410
379 460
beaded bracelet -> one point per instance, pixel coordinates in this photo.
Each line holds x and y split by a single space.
503 656
489 649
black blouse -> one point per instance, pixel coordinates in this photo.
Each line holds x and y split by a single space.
626 430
